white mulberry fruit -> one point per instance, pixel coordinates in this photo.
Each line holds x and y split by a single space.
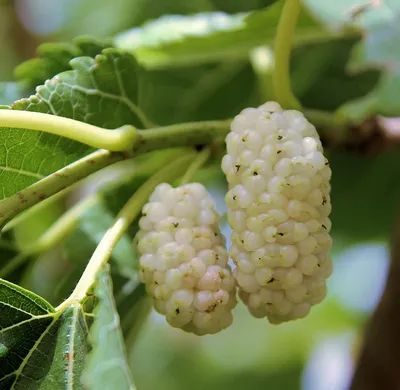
184 262
278 207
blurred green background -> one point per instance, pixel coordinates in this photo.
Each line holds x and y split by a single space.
316 353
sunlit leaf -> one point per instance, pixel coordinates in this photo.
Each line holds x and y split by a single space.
181 40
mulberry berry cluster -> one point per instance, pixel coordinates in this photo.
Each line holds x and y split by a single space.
278 208
184 263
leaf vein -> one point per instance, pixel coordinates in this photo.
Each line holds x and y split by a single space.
33 318
21 172
71 346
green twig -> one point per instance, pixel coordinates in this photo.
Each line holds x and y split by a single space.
181 134
20 218
57 181
116 140
122 222
283 43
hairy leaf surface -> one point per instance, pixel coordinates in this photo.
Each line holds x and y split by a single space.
54 58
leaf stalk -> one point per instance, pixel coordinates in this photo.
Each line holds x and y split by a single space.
116 140
283 44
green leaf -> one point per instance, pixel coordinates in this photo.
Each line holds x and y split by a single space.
41 348
20 304
181 40
378 49
107 366
54 58
101 91
92 90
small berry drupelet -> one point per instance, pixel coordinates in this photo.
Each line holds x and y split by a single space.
184 263
278 207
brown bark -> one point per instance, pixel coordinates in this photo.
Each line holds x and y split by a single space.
378 367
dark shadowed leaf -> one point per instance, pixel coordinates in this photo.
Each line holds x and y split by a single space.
41 348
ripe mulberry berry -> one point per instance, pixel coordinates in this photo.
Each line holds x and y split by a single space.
278 207
184 263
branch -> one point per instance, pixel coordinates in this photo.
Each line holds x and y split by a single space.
378 365
184 134
370 136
